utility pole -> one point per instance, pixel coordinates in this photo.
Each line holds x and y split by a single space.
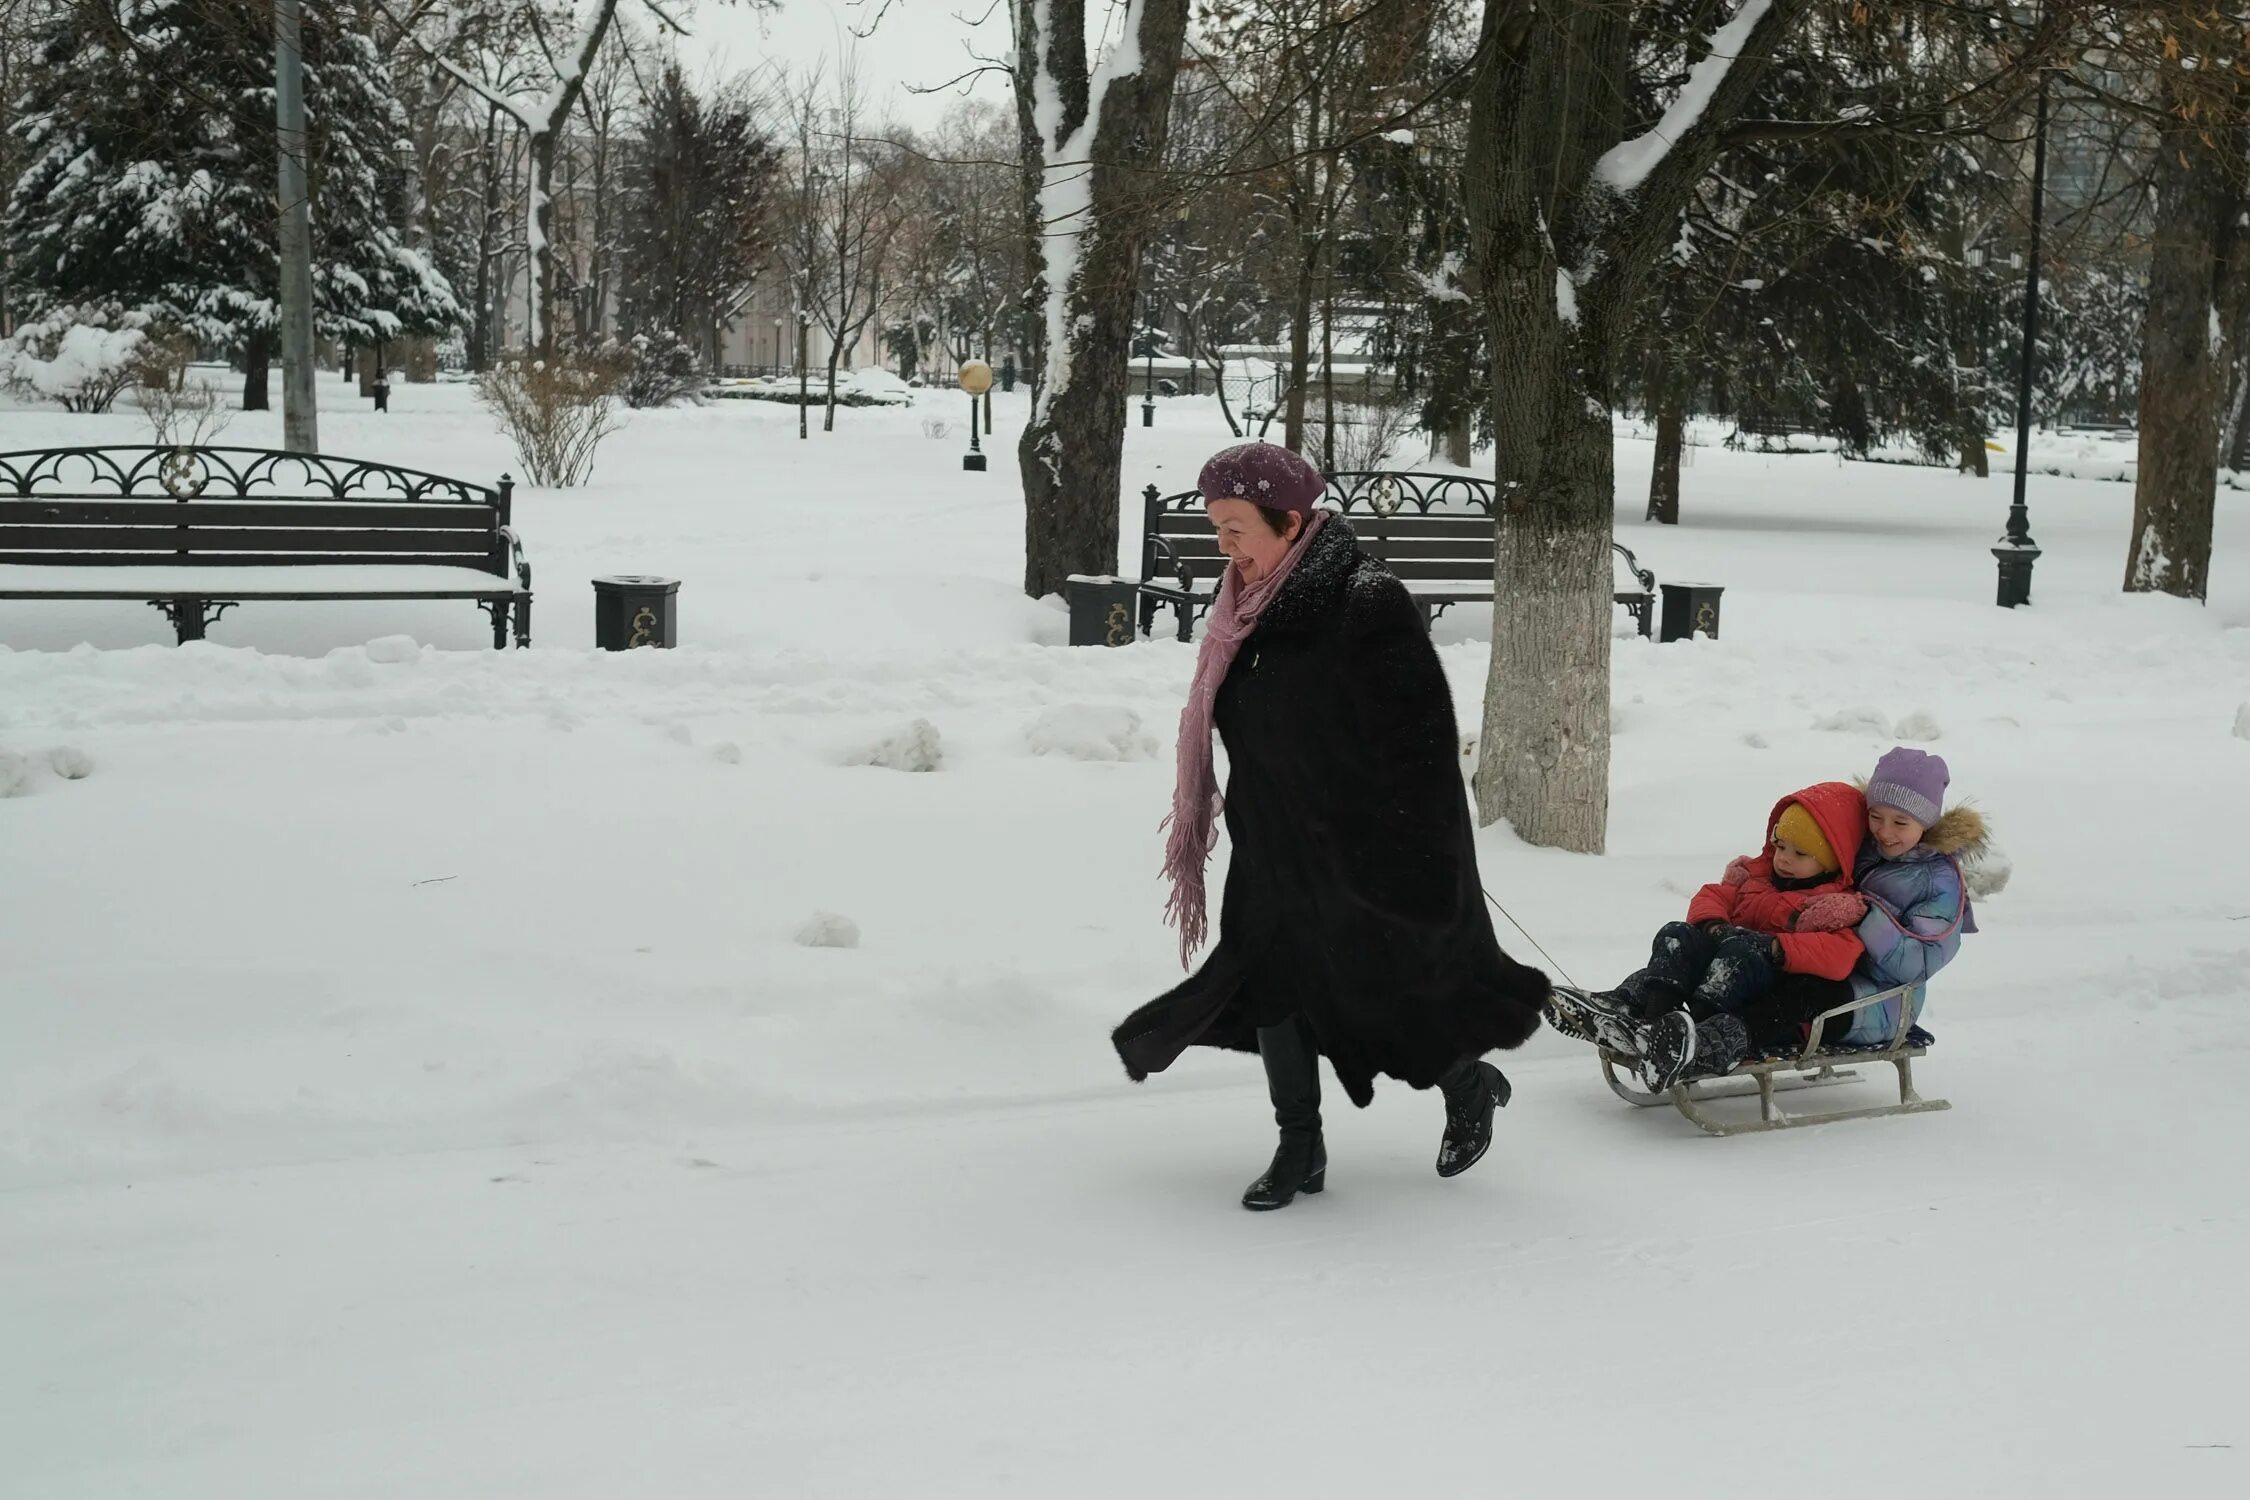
300 416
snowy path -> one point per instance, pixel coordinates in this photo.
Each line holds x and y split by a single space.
1057 1298
409 1084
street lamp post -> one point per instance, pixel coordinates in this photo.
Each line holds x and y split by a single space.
976 379
1148 378
2017 551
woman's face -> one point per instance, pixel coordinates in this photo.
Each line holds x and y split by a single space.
1247 540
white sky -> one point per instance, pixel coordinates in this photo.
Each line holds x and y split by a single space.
917 43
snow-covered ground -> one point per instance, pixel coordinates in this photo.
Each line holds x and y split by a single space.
412 1083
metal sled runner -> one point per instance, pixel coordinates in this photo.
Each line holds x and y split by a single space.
1814 1068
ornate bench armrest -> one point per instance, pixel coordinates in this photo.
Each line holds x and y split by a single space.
514 545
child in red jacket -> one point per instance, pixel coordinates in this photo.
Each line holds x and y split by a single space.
1788 910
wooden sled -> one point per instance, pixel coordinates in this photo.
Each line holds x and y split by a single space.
1814 1068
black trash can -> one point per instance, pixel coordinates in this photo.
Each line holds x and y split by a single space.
1008 373
636 610
1689 609
1101 610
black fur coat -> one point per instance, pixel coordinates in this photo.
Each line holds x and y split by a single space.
1352 895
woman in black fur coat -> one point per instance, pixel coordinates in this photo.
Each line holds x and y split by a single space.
1352 925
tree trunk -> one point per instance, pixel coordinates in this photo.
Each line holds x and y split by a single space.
1300 357
2181 348
1545 766
835 353
1328 373
1548 190
541 323
1671 444
257 357
1087 228
1461 439
483 327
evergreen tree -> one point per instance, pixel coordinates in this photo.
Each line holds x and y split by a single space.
694 233
148 133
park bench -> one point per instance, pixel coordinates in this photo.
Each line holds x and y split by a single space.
1433 530
197 531
1821 1064
1768 424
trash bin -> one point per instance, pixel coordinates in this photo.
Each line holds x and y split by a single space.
1689 609
1101 610
636 610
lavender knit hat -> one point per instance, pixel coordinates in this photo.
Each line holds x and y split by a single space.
1910 781
1264 474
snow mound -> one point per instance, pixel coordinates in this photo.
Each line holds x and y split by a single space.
914 748
1918 728
390 650
1084 731
2242 722
727 753
15 774
875 382
70 763
1757 741
1856 721
825 929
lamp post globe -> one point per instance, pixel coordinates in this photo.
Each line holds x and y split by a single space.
975 379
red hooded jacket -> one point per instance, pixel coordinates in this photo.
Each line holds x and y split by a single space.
1815 924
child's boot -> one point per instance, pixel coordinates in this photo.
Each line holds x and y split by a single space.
1667 1050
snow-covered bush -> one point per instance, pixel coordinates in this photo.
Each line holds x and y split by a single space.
82 357
181 413
556 411
662 369
1369 431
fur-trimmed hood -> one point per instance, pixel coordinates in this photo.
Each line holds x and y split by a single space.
1963 836
1962 833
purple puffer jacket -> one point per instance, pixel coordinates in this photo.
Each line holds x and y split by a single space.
1918 910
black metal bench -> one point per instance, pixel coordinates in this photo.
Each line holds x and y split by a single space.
198 531
1433 530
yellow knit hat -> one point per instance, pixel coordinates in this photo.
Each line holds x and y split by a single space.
1802 831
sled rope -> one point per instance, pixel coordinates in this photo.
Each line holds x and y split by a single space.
1527 937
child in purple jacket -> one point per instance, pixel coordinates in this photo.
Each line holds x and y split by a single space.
1920 865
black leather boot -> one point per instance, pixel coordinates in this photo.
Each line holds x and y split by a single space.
1473 1092
1300 1163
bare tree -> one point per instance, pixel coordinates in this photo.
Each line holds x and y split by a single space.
847 209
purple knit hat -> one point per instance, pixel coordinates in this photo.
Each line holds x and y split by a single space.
1264 474
1910 781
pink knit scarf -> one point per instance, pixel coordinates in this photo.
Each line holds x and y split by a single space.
1195 794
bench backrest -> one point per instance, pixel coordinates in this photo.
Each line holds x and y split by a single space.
238 506
1426 528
